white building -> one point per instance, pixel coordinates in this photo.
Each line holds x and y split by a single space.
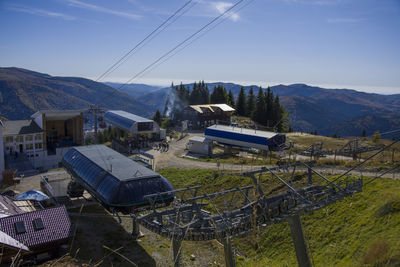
199 145
22 136
1 151
45 139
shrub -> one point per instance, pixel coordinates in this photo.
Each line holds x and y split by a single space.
377 253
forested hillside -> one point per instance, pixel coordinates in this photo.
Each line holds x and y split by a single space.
23 92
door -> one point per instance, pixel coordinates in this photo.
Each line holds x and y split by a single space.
21 148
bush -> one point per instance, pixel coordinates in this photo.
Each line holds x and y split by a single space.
389 207
377 253
376 137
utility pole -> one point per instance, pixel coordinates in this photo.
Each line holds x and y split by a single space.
95 109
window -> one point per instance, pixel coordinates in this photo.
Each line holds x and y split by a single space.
38 224
20 138
29 146
38 137
20 228
9 139
145 126
28 137
38 146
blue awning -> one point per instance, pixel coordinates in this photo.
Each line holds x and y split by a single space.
32 195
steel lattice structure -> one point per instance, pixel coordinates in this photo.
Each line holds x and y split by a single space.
354 148
315 150
194 217
188 220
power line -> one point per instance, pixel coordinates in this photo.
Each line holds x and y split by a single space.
198 37
152 37
114 66
181 43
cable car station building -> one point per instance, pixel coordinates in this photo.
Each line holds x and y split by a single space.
139 131
242 137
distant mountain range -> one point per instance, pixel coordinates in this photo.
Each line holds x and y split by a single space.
23 92
135 89
329 111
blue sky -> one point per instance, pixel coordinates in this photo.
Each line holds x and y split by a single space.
331 43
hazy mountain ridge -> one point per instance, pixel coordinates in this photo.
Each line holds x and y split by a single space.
341 111
314 108
134 89
354 127
23 92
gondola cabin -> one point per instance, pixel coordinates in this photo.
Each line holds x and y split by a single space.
116 181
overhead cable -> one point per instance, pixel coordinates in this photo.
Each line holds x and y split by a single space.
150 36
195 39
182 43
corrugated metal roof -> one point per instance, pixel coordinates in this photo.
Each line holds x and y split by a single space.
211 107
245 131
57 112
123 119
57 226
201 139
9 241
116 164
224 107
8 207
114 179
21 127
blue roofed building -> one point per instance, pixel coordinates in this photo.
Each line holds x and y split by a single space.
243 137
116 181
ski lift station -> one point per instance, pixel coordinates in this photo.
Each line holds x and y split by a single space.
134 124
116 181
243 137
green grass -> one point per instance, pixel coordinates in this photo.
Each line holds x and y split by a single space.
362 230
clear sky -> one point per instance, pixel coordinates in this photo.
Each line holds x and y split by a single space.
331 43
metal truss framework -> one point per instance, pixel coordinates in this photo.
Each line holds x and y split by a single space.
315 150
194 217
188 220
354 148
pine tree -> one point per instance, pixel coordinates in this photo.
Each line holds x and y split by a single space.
184 94
284 125
259 111
241 103
204 93
269 106
250 103
195 96
364 133
157 117
277 114
231 99
219 95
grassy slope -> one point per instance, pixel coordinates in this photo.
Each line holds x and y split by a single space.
339 235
